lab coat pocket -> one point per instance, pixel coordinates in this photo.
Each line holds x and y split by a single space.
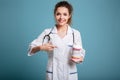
49 72
73 76
49 75
69 48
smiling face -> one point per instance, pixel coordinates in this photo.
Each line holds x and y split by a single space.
62 16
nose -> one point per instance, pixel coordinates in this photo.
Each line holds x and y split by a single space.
61 16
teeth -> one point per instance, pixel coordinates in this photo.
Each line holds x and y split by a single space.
61 21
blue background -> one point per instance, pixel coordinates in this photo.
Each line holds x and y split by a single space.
21 21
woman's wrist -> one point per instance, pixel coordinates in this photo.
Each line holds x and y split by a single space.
40 48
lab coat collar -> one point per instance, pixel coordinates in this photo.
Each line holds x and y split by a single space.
69 31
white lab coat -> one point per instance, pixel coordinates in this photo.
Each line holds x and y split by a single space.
59 66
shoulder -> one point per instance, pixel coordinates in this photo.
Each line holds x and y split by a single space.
76 31
47 30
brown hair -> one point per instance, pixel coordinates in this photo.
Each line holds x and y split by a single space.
68 6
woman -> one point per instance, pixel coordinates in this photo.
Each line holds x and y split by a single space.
63 45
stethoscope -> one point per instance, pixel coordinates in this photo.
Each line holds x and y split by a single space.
48 36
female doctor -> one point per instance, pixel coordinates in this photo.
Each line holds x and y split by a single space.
63 45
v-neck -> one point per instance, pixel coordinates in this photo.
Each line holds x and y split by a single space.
62 38
69 31
62 34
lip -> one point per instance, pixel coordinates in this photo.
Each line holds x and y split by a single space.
61 21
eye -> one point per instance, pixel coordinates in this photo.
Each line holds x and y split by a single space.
65 14
58 14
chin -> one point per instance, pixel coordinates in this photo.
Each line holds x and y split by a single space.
62 24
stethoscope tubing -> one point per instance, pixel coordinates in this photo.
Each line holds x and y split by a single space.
48 35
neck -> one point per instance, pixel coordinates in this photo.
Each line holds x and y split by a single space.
62 28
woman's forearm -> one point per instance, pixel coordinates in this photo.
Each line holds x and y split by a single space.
44 47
